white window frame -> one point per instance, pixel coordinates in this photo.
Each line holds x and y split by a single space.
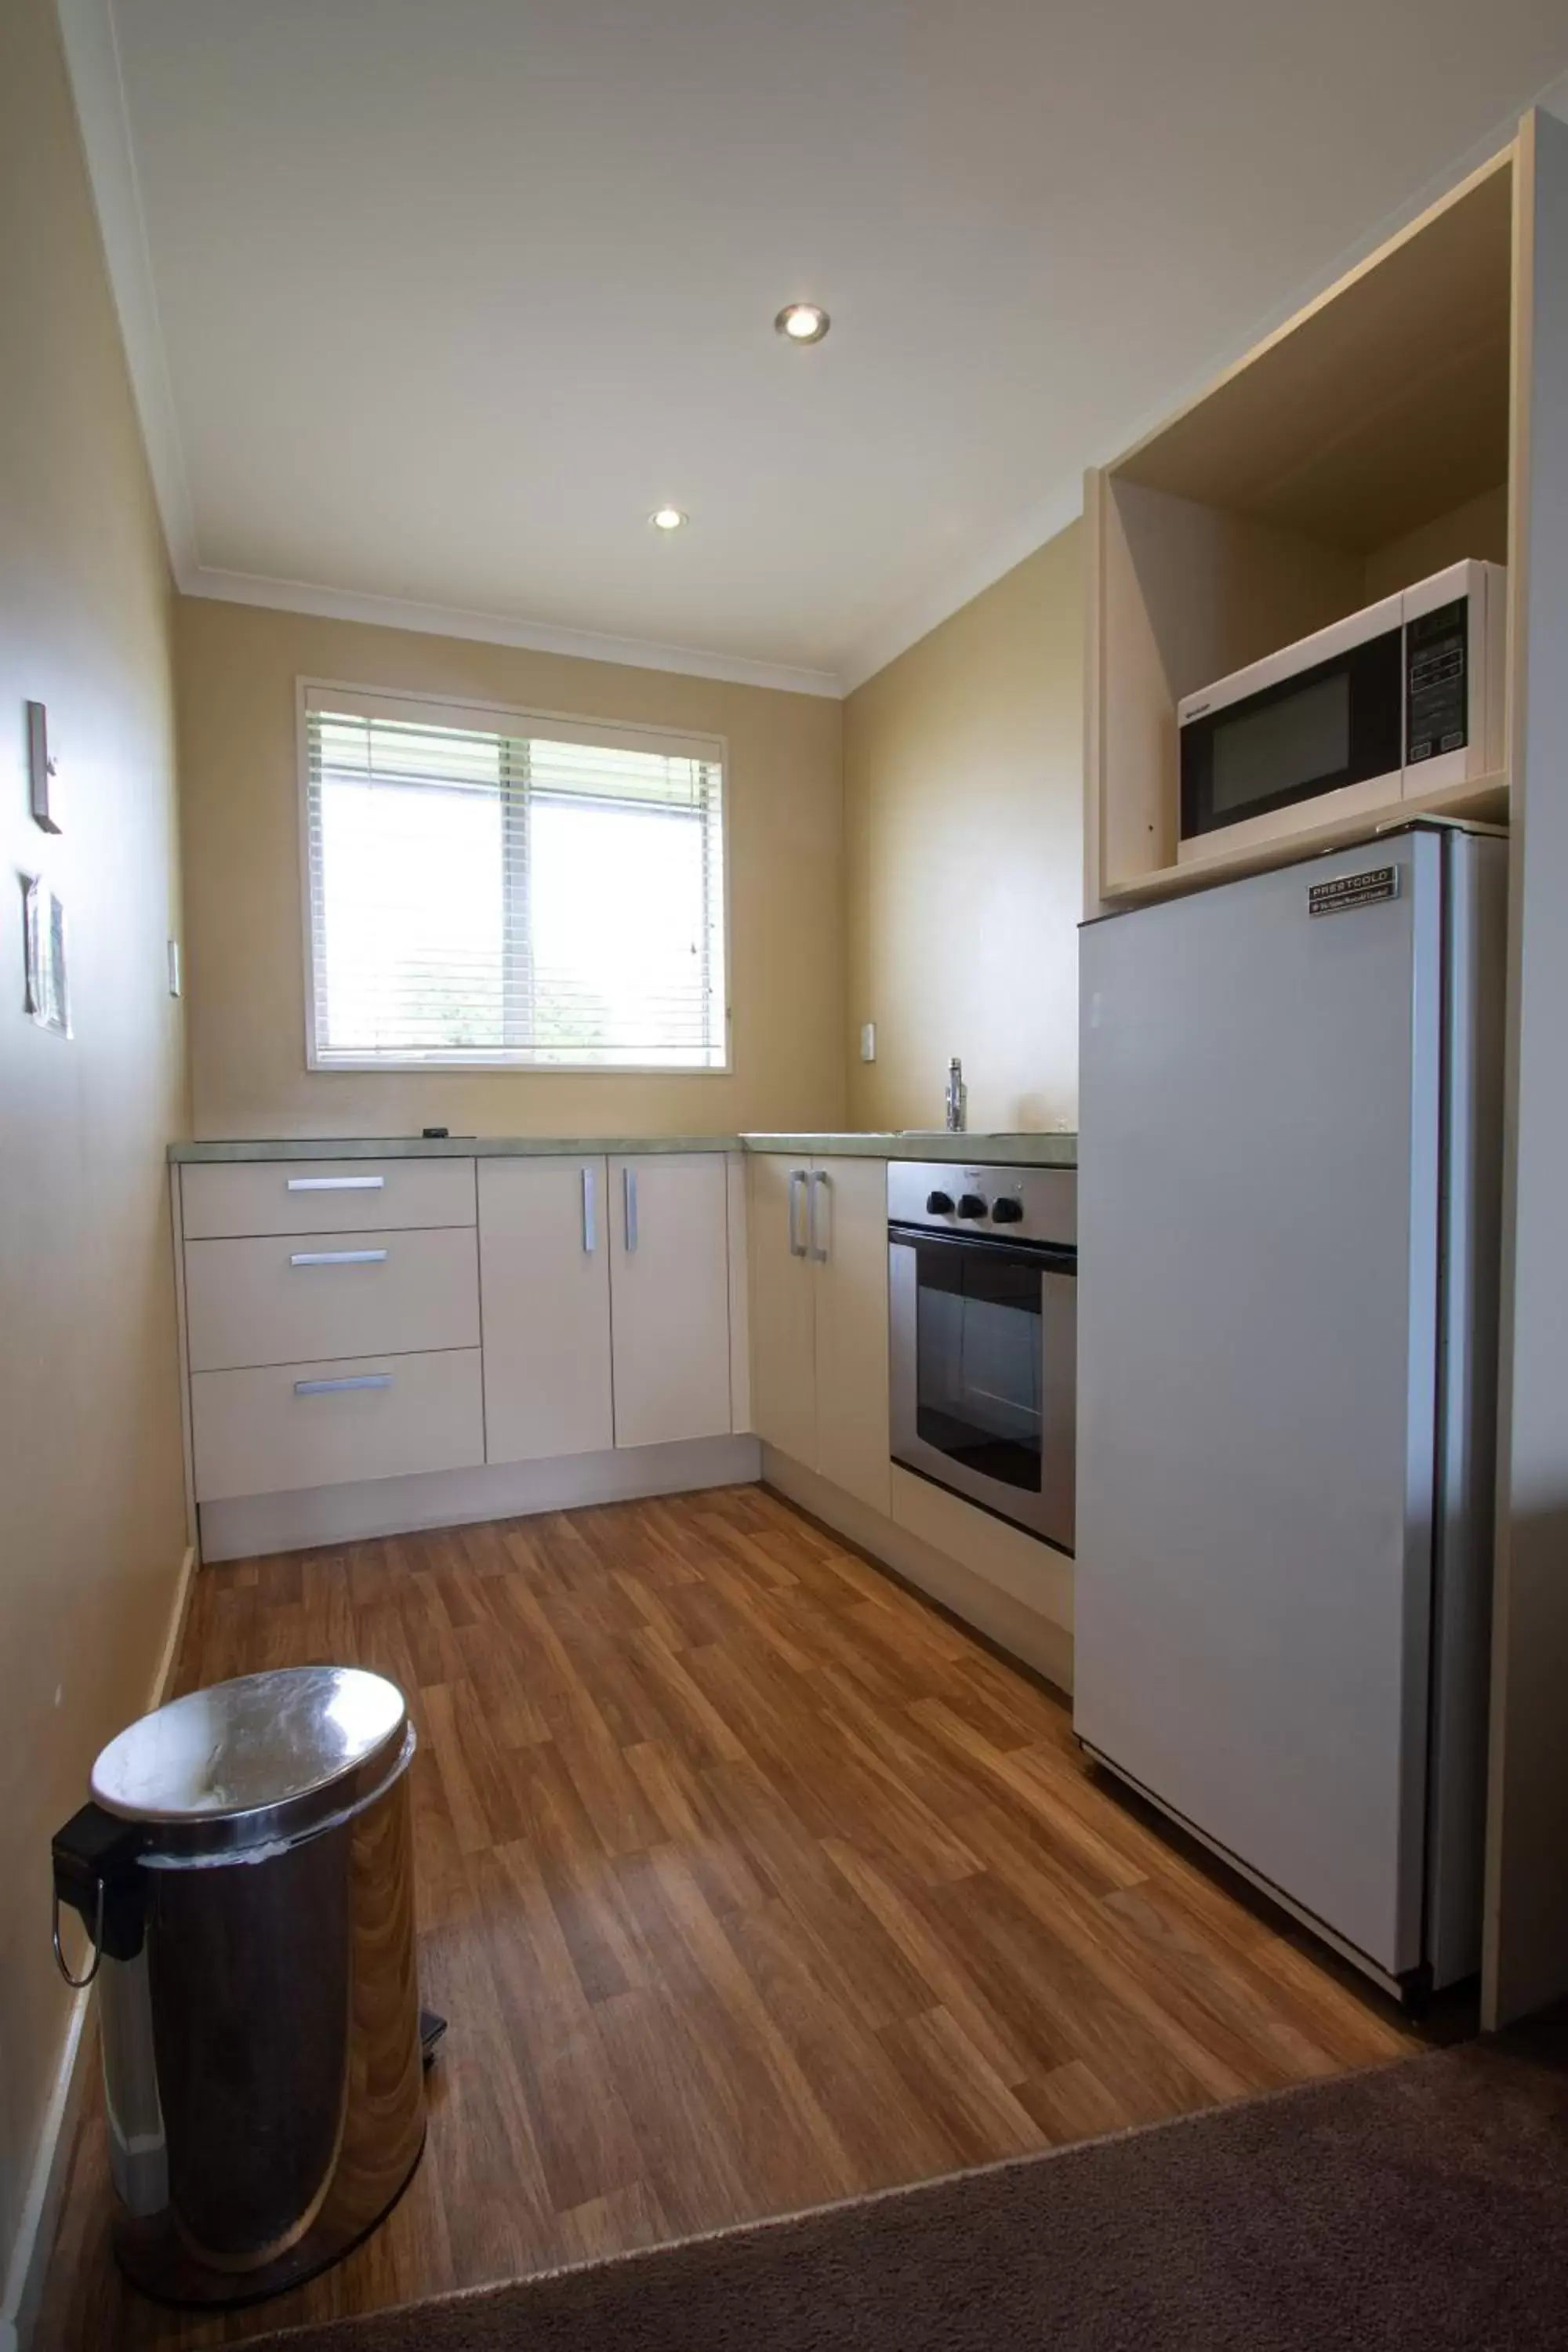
569 726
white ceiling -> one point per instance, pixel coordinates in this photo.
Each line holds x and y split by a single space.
435 299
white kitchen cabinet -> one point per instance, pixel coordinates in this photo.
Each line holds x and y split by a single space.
819 1317
544 1291
784 1369
849 1206
669 1286
350 1322
278 1428
228 1198
287 1299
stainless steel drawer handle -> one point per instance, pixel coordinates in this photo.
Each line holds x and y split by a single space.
817 1185
590 1236
797 1183
629 1195
341 1387
338 1258
336 1183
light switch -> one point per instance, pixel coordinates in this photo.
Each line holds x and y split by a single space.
867 1041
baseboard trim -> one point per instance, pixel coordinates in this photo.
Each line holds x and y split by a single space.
251 1526
964 1590
46 2188
169 1656
34 2236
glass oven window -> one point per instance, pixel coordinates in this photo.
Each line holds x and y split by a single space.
978 1360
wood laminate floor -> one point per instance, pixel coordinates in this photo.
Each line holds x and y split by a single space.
747 1882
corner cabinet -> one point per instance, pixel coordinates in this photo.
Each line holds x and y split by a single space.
544 1297
819 1317
669 1297
605 1290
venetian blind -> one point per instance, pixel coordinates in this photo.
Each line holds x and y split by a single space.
533 892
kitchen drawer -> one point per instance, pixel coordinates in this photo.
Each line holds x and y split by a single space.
324 1196
294 1298
254 1432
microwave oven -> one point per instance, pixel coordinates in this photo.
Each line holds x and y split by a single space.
1394 701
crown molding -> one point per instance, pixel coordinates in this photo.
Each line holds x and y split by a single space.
498 629
92 65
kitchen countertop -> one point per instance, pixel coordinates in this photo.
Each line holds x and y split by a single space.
1003 1150
973 1150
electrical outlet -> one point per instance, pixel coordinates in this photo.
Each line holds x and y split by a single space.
867 1041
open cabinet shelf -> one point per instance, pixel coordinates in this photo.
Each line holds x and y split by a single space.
1362 448
1483 801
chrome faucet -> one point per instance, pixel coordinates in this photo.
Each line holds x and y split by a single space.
957 1098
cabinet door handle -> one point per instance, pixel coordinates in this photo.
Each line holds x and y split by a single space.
336 1183
590 1237
817 1180
340 1388
629 1194
337 1258
796 1192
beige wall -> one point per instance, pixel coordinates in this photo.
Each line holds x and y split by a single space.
92 1514
963 827
239 794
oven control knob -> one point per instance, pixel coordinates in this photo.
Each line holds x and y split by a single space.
1008 1211
939 1204
970 1204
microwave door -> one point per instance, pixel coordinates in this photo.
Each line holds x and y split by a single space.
1332 734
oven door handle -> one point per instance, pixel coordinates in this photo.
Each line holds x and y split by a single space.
1051 1258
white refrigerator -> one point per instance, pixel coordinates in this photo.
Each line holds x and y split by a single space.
1288 1241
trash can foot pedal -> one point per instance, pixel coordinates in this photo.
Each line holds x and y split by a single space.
432 2026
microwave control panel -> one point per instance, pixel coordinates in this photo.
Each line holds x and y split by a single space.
1437 683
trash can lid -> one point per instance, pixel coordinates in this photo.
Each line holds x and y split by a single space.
258 1763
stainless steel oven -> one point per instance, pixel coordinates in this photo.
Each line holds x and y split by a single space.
982 1308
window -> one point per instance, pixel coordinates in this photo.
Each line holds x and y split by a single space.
496 888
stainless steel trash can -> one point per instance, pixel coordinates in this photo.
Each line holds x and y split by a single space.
245 1872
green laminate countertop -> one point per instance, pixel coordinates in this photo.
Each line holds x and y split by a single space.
447 1147
1004 1151
916 1143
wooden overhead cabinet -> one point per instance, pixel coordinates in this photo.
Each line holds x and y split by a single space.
1363 446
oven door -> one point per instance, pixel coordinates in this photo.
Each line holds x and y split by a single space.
983 1373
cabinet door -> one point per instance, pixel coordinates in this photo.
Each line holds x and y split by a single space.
544 1295
849 1223
783 1373
670 1276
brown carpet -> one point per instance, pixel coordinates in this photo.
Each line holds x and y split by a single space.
1423 2205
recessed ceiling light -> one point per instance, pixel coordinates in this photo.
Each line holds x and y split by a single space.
802 322
669 519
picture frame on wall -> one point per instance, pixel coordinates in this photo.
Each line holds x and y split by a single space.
47 992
